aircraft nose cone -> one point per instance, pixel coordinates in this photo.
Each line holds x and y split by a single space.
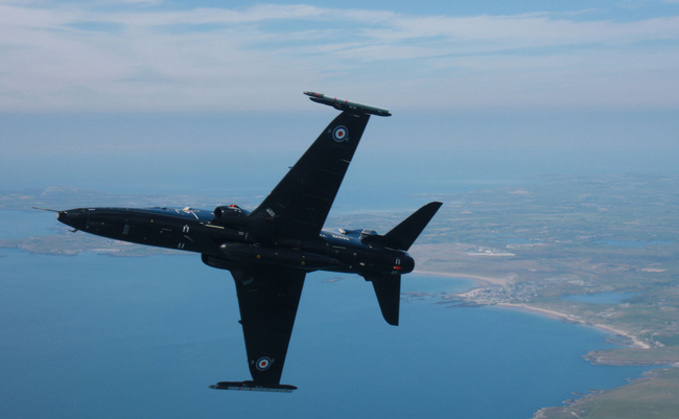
75 218
66 217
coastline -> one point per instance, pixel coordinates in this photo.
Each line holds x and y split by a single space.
636 342
653 378
485 280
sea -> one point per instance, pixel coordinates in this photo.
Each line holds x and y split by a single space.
108 337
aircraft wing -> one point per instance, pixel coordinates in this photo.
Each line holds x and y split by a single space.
299 204
268 298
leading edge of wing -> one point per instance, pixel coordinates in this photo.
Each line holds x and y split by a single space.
300 203
268 298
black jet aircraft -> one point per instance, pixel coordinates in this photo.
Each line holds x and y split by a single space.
270 250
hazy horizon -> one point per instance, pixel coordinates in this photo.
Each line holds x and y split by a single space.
180 95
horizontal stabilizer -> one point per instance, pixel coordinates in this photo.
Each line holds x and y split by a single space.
251 386
388 291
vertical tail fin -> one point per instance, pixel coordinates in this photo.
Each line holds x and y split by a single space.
404 235
388 287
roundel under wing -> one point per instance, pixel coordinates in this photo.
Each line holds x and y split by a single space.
263 363
340 133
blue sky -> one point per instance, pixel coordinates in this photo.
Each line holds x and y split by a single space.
531 86
137 55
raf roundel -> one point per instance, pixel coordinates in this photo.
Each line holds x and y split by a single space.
340 133
263 363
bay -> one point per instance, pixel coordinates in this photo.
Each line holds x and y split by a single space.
100 336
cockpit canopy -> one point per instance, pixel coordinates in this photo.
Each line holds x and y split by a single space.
361 234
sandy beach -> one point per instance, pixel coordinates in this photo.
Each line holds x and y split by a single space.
636 342
485 280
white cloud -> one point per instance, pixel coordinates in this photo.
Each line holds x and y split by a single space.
79 58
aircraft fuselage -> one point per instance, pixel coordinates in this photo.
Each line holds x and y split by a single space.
270 250
227 244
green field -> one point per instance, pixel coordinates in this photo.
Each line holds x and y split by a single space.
654 396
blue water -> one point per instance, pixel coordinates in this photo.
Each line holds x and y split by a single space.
107 337
31 222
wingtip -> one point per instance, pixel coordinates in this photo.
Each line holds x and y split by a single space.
252 386
346 105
